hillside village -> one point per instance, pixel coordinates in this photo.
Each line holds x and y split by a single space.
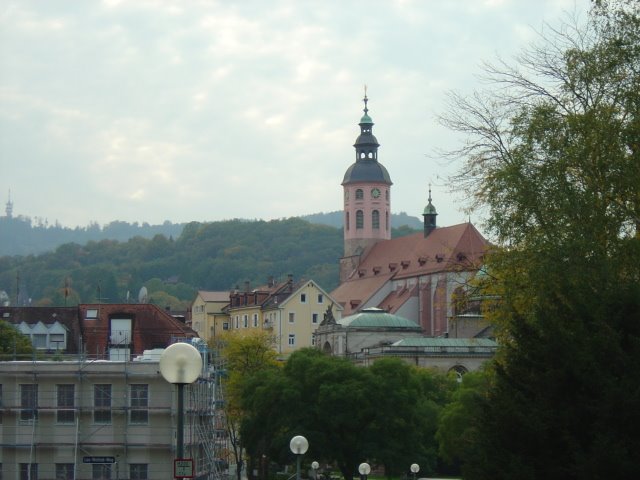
396 297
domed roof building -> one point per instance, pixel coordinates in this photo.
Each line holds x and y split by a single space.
367 328
373 333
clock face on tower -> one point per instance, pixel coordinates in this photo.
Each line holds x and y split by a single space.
375 193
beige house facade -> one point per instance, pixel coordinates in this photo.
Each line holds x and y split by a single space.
208 313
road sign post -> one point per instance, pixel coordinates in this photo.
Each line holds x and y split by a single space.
183 468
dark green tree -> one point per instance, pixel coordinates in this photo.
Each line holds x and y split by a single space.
553 155
13 344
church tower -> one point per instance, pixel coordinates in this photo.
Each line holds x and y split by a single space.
429 214
367 195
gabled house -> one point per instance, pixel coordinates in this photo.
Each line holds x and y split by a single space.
290 311
208 313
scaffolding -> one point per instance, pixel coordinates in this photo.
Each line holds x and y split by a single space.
134 434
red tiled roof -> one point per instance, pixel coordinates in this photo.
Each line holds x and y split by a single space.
446 248
396 298
151 326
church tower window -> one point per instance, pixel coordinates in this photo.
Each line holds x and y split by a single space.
375 219
359 219
359 194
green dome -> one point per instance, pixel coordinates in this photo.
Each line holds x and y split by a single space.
366 119
378 318
429 209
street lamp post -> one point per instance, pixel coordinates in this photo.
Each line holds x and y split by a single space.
415 468
299 446
364 469
315 465
180 364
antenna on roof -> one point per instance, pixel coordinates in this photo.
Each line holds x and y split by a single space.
143 295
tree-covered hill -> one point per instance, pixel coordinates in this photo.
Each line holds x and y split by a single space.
23 236
211 256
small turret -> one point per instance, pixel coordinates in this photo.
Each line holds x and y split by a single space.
429 216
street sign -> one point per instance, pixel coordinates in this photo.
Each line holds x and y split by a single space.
183 468
98 459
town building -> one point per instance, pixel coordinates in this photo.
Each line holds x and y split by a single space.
289 310
208 314
373 333
98 331
417 276
79 418
89 403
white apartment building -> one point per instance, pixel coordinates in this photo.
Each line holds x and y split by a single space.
101 419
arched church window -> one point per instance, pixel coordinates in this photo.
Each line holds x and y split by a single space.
346 221
386 220
359 219
359 194
375 219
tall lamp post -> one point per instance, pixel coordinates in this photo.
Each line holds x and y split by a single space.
364 469
180 364
299 446
415 468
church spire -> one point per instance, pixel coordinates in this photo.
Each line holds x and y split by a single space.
429 214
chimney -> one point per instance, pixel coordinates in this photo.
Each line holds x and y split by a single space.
247 285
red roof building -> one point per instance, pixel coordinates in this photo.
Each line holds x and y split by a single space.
415 276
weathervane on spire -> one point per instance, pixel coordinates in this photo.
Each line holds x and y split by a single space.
365 100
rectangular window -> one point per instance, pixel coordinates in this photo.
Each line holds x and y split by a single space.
292 339
28 402
39 340
28 471
237 322
101 471
138 471
65 403
255 319
303 298
292 317
56 338
225 325
314 318
320 298
64 471
102 403
139 412
245 321
92 313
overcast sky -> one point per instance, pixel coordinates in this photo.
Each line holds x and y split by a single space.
151 110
